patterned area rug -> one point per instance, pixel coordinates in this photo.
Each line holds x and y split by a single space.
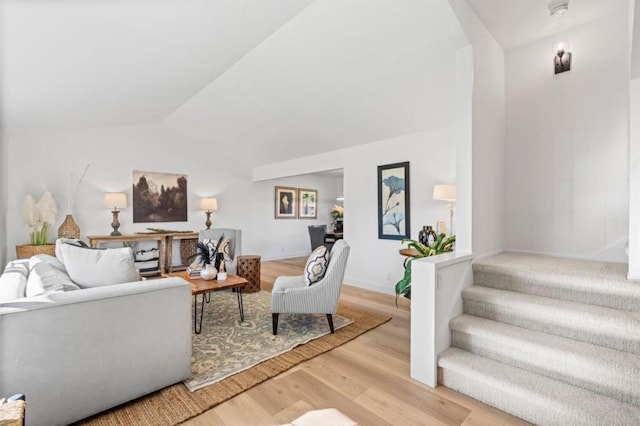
227 346
175 404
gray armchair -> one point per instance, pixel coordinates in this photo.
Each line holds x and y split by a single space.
235 243
292 295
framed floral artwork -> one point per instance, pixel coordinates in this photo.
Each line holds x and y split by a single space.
307 203
286 205
393 201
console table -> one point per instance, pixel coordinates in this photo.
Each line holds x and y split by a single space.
161 239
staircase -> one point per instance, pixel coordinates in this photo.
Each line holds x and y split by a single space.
552 341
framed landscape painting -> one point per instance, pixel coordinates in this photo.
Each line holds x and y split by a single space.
286 205
159 197
393 201
307 204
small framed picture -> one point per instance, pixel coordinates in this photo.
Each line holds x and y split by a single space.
307 203
286 205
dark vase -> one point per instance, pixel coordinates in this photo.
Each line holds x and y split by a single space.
427 235
338 226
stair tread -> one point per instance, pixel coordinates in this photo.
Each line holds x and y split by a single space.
544 396
562 345
514 299
585 281
608 371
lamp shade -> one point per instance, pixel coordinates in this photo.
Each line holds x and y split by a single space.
444 192
117 200
209 204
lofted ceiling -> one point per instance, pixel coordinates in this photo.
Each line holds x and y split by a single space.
263 80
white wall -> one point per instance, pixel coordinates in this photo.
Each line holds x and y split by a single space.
567 150
375 264
44 159
3 200
634 180
488 133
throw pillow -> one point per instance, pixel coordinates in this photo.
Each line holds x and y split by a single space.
72 241
316 265
89 267
47 275
13 281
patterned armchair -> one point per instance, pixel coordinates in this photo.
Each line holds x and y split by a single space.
235 241
292 295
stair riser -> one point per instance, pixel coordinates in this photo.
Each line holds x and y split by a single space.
548 288
524 404
544 321
578 370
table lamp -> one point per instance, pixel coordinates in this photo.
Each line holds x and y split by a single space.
446 193
208 205
117 200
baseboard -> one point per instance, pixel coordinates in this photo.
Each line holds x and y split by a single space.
368 285
285 256
484 256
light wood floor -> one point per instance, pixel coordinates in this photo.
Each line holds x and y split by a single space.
367 378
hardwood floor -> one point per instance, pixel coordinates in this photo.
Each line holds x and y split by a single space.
367 378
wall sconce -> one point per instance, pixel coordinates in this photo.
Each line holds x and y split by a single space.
562 58
208 205
446 193
117 200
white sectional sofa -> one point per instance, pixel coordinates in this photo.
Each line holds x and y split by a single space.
77 352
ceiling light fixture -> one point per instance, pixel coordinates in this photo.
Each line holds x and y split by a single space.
558 7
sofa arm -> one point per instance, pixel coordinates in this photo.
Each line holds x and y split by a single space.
78 353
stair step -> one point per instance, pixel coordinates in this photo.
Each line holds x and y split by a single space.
532 397
576 280
601 326
602 370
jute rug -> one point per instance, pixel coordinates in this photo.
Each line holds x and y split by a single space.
175 404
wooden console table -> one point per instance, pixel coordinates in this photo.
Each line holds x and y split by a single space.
161 239
164 241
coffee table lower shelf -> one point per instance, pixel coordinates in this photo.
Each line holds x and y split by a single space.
205 288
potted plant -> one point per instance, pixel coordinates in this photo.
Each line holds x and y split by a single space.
38 217
442 244
337 215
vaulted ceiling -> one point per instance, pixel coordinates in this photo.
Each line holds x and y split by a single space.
263 80
276 79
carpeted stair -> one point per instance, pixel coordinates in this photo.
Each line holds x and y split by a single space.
553 341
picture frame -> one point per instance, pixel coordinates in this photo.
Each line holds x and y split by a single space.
307 203
159 197
286 202
393 201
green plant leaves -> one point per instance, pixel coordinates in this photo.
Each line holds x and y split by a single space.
442 244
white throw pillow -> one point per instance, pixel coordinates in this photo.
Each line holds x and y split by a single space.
13 281
89 267
316 265
47 275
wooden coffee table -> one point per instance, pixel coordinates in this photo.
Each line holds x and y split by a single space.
205 288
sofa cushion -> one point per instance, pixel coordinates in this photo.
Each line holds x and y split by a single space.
13 282
47 275
90 267
316 265
72 241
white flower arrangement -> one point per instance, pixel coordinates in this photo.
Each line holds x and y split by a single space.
39 216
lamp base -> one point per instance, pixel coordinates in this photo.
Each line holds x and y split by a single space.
115 224
208 222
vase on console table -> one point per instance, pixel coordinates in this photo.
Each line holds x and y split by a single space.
69 228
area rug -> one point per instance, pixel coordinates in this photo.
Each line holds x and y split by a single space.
175 404
227 346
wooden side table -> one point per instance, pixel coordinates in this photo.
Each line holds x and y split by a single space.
249 268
